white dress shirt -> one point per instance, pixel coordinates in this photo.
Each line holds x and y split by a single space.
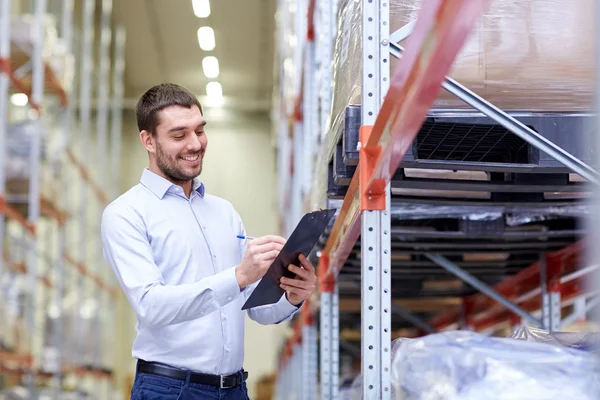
174 257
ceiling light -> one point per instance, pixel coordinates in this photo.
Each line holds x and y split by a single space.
19 99
210 65
214 91
206 38
201 8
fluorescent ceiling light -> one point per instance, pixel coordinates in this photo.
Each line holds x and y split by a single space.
201 8
210 65
206 38
19 99
214 91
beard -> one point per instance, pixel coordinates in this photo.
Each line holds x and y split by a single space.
172 167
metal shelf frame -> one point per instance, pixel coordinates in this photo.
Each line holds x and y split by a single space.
43 366
393 108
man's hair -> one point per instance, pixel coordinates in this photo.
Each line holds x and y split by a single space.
159 97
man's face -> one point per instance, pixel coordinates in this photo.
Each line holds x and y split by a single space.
179 143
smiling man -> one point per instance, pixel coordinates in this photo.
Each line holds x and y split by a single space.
175 252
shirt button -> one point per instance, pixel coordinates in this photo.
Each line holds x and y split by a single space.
229 298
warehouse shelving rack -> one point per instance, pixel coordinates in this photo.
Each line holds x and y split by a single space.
547 290
52 223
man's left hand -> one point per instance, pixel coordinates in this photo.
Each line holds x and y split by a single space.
299 288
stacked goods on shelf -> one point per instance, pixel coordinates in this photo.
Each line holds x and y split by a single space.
18 166
510 58
14 292
24 29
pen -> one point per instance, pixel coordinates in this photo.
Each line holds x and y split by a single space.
245 237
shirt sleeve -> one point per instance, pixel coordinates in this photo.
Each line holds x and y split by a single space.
275 313
127 250
268 314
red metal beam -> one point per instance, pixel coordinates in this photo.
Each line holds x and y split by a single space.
310 26
14 214
558 263
440 32
568 291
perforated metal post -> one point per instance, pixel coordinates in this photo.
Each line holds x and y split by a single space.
81 355
329 338
551 307
117 106
103 92
310 114
37 97
327 26
65 196
375 228
297 178
309 354
335 343
551 311
4 85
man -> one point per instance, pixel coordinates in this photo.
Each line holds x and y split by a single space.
176 253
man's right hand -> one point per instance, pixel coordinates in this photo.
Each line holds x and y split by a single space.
260 254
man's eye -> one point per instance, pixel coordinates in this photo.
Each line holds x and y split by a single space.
199 133
179 137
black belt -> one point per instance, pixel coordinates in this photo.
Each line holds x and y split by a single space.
221 381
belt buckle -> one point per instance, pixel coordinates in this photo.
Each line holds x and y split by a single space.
222 385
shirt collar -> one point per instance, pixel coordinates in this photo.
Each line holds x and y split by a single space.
159 185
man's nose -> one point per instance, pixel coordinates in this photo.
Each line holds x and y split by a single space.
195 143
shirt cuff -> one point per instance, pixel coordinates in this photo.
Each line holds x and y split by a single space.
288 307
227 286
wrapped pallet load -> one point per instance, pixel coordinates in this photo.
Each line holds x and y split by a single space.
464 365
527 55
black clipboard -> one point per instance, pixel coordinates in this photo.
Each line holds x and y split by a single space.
301 241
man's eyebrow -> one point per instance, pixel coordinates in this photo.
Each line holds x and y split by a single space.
177 128
182 128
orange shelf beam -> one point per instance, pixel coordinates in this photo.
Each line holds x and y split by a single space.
83 270
440 32
52 83
12 213
87 178
558 263
568 291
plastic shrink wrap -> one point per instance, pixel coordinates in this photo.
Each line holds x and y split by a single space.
512 216
528 55
19 143
289 48
461 365
85 336
16 303
587 341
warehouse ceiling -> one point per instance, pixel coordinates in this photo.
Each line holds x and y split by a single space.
162 45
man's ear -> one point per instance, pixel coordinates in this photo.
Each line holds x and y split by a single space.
147 141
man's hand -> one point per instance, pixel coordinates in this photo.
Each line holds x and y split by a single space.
260 254
300 288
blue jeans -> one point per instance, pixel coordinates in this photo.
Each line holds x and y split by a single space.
150 387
